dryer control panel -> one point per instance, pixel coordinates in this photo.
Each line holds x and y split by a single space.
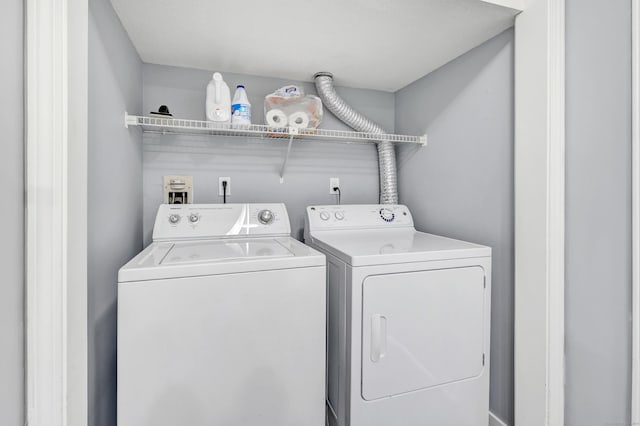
210 221
358 216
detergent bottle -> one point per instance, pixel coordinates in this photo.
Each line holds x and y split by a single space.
218 105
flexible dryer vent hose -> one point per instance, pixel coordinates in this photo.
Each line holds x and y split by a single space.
360 123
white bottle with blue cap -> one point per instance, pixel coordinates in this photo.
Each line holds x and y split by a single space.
240 107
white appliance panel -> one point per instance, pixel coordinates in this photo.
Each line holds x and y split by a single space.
221 250
205 221
421 329
364 235
386 246
336 333
358 216
163 260
234 350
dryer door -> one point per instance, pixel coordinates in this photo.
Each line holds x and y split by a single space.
421 329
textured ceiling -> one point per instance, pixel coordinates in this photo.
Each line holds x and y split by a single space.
372 44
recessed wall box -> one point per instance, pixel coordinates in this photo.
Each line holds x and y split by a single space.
178 189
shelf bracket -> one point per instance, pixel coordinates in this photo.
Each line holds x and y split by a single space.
130 120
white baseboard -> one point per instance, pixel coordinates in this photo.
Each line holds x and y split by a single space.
495 421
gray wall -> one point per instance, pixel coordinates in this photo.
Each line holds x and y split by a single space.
461 185
115 192
254 165
598 212
11 223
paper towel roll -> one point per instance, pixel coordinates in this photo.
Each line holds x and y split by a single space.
299 120
276 118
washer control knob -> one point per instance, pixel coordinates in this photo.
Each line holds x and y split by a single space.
265 217
339 215
174 218
194 217
324 215
387 215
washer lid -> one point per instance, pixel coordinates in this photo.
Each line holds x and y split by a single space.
163 260
216 251
386 246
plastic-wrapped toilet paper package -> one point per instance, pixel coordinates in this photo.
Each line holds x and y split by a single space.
299 120
291 108
276 118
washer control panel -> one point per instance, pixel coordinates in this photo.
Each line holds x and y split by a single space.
207 221
358 216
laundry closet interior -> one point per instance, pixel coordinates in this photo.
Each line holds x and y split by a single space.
441 72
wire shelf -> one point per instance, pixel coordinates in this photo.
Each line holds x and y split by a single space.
178 126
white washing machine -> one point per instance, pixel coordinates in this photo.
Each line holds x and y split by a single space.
408 320
221 321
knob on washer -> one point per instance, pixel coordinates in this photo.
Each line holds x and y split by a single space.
174 218
265 217
194 217
324 215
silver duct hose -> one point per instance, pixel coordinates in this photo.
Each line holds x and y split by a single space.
360 123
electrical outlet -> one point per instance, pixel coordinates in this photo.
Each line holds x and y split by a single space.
333 182
177 189
221 189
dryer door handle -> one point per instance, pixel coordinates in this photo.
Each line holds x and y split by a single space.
378 337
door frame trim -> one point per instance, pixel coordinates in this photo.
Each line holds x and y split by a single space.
56 59
635 184
540 213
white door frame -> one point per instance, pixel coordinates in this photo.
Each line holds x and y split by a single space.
56 279
539 210
56 215
635 252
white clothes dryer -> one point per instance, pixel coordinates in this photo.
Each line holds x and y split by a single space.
221 321
408 320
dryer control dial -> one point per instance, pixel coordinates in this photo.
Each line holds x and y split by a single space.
174 218
387 214
265 217
194 217
339 215
324 215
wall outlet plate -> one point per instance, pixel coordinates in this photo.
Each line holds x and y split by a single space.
333 182
177 189
220 189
